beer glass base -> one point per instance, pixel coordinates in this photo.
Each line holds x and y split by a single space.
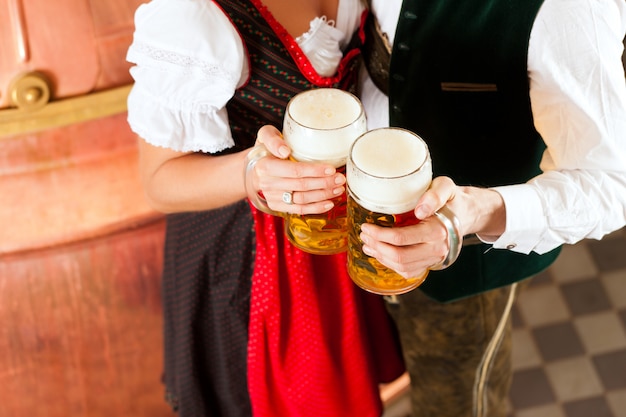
328 250
367 286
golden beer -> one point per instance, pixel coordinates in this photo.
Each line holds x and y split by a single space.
366 271
320 126
388 170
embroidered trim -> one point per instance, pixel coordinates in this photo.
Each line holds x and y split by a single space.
171 143
186 62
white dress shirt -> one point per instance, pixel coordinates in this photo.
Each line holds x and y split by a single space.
578 99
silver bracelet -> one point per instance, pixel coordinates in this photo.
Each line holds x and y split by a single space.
455 239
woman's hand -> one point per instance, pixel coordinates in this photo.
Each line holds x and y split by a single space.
312 185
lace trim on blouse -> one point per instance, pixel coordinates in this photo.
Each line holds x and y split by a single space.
159 55
321 44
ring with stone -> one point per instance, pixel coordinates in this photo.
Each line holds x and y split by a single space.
288 197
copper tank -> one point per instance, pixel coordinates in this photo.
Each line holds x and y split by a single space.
80 250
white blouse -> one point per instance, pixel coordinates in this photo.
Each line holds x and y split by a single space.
189 60
578 99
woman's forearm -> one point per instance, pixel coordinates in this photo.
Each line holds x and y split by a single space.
181 182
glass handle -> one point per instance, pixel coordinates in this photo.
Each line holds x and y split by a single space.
256 198
455 239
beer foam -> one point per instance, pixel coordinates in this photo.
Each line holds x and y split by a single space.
388 170
321 124
324 108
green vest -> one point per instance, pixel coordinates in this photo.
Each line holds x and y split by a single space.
458 78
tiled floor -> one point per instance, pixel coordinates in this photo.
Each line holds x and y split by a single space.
569 338
570 335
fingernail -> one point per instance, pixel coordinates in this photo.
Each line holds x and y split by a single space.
329 171
338 190
283 151
421 212
328 206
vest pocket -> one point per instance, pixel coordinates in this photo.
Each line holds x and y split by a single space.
469 87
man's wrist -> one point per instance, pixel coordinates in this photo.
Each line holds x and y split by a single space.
481 211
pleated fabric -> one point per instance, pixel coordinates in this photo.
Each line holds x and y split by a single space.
318 345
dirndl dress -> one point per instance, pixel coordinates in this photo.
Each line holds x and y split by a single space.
252 325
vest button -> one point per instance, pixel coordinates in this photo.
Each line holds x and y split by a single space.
410 15
404 46
396 108
397 77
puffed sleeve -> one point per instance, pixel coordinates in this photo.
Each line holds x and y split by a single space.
189 60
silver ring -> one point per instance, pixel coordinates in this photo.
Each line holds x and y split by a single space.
455 239
288 197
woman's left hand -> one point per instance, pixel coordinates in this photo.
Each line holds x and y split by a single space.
289 186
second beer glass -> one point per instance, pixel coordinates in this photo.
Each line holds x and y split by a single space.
320 126
388 170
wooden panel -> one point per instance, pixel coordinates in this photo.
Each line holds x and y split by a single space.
81 328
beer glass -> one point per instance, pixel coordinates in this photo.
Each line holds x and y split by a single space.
388 170
320 126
